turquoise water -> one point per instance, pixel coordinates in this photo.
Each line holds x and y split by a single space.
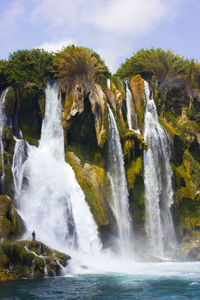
151 281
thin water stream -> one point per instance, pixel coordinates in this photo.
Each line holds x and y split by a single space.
120 203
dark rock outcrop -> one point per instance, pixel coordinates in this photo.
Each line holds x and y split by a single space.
28 259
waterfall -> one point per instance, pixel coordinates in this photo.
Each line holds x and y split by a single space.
18 165
131 113
120 203
108 83
158 182
49 197
3 122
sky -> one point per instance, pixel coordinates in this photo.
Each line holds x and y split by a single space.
116 29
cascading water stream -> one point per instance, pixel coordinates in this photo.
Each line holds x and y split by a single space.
18 165
131 113
108 83
49 197
3 122
120 203
158 182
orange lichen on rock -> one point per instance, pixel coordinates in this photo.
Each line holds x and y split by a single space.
137 87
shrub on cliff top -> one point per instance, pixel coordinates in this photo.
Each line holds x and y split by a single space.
29 66
3 76
164 65
78 64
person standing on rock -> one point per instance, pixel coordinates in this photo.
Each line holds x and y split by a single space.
33 235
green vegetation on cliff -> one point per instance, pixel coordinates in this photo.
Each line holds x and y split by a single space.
137 88
26 259
78 64
173 78
27 72
175 84
3 74
8 146
11 224
95 184
134 146
29 67
165 66
82 74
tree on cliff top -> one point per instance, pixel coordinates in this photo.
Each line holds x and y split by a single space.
192 74
166 67
79 64
3 76
33 66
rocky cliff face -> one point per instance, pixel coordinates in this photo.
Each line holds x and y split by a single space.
24 259
85 124
27 259
11 224
84 98
95 184
176 118
137 87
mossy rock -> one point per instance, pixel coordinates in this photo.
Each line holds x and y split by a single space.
104 133
85 109
189 249
178 142
116 86
81 128
95 185
10 103
30 113
133 142
28 259
169 128
135 180
11 224
184 185
9 146
137 88
8 140
134 146
16 261
187 194
116 101
195 173
134 169
137 206
120 123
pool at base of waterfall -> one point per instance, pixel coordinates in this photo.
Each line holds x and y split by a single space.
168 280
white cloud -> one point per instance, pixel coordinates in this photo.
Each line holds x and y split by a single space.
10 17
56 13
128 16
121 16
57 45
104 25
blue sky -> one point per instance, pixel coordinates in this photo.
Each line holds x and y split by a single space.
116 29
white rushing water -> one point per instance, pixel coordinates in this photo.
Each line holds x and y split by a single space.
158 182
120 203
108 83
131 113
18 166
3 122
49 197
